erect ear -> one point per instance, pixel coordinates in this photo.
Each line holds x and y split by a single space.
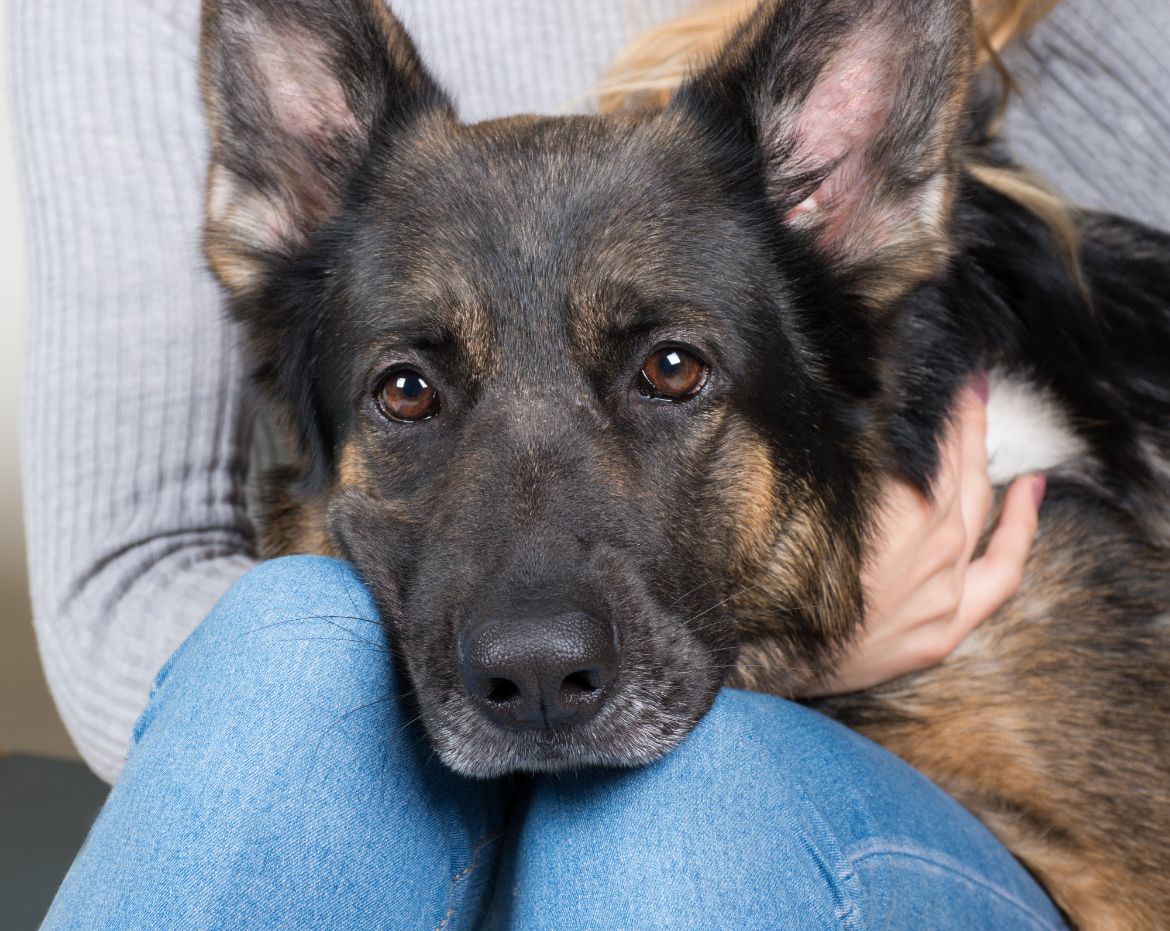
294 89
855 108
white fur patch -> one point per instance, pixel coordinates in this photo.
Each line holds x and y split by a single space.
1027 431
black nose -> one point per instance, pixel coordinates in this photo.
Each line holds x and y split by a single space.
536 672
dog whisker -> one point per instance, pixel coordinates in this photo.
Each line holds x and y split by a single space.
765 666
305 619
412 721
693 590
724 601
378 648
343 718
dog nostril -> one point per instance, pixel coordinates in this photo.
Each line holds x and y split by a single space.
535 672
578 685
502 691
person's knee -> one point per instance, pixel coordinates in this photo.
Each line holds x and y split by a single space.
291 588
721 832
284 601
294 633
788 746
756 820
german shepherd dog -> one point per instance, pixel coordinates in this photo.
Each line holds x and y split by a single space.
600 406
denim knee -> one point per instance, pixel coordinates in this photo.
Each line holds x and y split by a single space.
768 815
283 591
278 780
716 834
894 837
291 588
287 623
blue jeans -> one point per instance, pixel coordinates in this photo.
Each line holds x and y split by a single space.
278 779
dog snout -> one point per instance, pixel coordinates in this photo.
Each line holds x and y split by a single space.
531 673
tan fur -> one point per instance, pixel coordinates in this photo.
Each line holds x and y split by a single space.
749 498
782 580
296 527
293 525
352 471
222 231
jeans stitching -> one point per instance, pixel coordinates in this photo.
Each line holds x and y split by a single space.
956 868
824 844
460 875
826 849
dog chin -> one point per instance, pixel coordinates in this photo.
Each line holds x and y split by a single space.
489 762
486 751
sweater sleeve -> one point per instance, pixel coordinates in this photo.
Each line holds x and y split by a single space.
1093 110
134 413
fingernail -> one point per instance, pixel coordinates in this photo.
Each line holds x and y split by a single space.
981 386
1039 486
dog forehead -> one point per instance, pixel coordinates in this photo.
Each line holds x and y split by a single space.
554 228
543 189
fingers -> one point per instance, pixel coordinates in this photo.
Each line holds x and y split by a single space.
963 493
951 452
986 585
975 493
924 595
994 577
922 537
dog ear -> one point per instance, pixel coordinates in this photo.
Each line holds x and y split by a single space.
294 90
854 110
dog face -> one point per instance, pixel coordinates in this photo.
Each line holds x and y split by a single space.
590 402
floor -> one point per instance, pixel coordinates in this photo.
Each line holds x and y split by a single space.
46 808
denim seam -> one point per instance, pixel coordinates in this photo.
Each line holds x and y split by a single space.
850 914
869 851
460 875
146 715
844 869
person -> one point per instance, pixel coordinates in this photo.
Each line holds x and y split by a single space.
275 777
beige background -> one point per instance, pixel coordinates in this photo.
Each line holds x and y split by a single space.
28 720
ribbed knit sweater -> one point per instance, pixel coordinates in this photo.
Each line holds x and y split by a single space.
136 409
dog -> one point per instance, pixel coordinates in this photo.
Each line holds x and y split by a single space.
600 406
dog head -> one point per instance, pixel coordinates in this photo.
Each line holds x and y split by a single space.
589 401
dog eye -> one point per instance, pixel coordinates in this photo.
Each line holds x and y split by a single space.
673 373
406 395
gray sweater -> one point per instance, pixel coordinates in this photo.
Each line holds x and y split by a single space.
137 414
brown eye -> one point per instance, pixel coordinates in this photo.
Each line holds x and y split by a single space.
673 373
406 395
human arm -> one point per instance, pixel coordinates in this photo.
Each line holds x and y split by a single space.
135 414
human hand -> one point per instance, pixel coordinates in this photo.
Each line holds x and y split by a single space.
923 592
